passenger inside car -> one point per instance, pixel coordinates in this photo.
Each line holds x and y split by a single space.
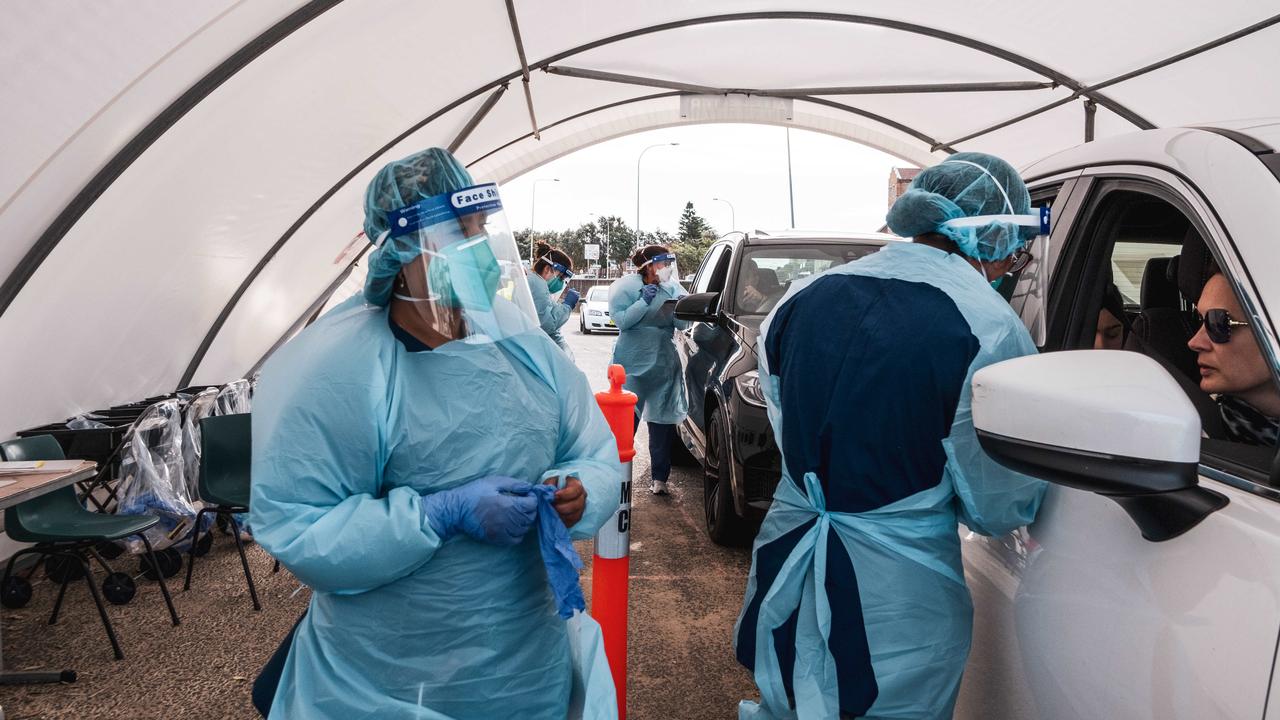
1232 367
759 290
1113 323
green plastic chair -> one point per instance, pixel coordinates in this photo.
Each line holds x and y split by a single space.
226 443
62 528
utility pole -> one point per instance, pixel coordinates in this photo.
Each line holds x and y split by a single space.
791 192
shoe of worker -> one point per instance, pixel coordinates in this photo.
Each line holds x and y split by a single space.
659 487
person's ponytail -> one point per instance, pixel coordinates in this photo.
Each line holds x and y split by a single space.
543 252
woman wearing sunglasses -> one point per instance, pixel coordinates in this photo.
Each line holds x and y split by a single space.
1232 367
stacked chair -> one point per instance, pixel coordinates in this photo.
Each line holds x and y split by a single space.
223 485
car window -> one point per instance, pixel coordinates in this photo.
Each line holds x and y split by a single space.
1147 271
767 272
703 278
1129 262
599 293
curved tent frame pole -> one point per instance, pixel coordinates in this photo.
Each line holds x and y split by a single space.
167 118
524 65
70 215
1061 79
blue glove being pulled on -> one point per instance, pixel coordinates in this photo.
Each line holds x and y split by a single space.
558 554
497 510
648 293
571 298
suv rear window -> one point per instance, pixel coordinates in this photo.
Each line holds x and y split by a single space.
767 272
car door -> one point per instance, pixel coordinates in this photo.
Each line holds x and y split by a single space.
693 345
1078 616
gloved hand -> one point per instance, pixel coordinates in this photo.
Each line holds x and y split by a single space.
571 298
648 293
497 510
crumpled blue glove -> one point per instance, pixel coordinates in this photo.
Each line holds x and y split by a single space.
648 293
571 298
496 509
558 554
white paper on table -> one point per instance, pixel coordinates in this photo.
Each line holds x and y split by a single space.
28 467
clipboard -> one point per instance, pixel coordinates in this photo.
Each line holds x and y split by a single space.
668 310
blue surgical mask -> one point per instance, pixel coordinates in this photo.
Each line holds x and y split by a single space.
555 284
466 274
995 284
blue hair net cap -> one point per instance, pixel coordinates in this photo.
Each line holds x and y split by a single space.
433 171
966 185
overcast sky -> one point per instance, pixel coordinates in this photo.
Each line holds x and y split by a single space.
839 185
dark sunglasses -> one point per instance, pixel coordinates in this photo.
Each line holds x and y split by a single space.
1217 325
1021 259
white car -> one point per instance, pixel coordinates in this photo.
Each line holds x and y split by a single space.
1149 585
594 312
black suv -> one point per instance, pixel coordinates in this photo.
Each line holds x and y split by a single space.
741 278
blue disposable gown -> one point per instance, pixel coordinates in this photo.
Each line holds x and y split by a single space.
645 348
552 314
349 429
867 371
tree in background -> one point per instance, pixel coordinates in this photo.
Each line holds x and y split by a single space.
692 226
689 253
618 241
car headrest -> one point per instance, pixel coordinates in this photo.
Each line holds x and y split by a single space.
1193 265
767 279
1159 284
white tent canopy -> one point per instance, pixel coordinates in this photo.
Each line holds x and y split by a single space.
181 182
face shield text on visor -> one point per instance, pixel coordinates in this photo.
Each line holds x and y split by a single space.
461 278
664 266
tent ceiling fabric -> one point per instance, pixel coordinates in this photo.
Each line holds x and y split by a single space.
182 182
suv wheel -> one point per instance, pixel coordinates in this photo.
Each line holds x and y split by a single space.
724 526
582 326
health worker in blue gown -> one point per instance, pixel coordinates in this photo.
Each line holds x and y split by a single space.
642 304
395 443
856 604
552 301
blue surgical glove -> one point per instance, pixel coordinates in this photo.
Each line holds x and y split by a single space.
648 293
497 510
570 298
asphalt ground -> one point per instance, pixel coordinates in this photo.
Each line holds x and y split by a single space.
685 594
685 591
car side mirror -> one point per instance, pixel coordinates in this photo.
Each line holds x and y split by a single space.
1110 422
699 307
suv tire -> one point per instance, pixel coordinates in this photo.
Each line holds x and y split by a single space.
582 326
724 525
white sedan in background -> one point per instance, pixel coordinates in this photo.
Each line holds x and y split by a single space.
594 315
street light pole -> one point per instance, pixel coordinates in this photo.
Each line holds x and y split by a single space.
791 191
638 159
533 215
733 217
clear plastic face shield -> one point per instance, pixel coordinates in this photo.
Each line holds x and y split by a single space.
462 279
558 277
664 266
1025 285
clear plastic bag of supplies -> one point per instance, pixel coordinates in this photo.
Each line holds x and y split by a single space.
153 480
200 407
233 399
